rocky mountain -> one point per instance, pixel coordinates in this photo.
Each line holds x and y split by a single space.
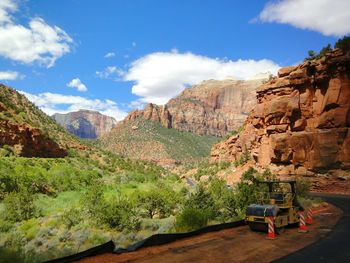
85 123
150 140
27 131
212 107
301 123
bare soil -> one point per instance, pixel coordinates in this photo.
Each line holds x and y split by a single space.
232 245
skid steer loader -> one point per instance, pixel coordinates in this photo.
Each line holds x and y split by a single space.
280 202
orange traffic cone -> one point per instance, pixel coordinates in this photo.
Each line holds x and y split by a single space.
302 225
271 229
309 216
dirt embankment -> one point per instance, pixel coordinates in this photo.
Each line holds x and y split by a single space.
232 245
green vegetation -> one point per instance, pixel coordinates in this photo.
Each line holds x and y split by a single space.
343 44
55 207
144 139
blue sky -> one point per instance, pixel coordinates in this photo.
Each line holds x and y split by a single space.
116 55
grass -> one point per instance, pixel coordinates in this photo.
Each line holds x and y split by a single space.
51 206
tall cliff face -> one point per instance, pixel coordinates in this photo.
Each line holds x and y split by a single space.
302 120
85 123
211 108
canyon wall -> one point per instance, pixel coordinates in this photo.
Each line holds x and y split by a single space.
301 122
85 123
213 107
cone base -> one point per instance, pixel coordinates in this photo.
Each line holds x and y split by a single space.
271 238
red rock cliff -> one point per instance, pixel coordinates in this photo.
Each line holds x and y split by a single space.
211 108
301 121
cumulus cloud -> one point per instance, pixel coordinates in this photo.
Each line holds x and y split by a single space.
111 72
77 84
163 75
52 103
110 55
37 42
329 17
9 75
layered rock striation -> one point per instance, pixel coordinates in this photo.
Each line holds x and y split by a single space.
301 121
212 107
29 141
85 123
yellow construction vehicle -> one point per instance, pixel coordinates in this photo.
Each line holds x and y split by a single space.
280 202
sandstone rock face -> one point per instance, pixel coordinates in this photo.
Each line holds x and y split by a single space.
28 141
301 121
85 123
211 108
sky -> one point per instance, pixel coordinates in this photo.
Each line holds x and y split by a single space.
116 55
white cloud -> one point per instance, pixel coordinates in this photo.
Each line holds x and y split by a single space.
163 75
52 103
9 75
76 83
39 42
111 72
110 55
329 17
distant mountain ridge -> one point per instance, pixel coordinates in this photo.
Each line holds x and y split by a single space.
213 107
85 123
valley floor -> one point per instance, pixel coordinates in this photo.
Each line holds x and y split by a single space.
232 245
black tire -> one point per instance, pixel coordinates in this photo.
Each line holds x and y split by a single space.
279 230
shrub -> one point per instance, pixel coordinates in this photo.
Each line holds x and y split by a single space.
72 216
302 187
19 206
159 201
120 214
203 201
191 219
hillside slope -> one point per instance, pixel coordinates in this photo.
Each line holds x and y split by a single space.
85 123
149 140
30 132
213 107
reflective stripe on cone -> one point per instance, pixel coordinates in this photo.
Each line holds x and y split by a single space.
302 225
271 229
309 216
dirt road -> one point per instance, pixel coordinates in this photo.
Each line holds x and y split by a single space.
231 245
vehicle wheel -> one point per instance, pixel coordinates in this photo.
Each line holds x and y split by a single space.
279 230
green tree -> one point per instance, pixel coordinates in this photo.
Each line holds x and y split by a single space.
119 213
202 200
343 44
159 201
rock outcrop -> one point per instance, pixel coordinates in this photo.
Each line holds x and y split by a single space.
301 123
28 141
85 123
211 108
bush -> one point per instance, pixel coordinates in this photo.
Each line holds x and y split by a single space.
191 219
72 216
302 187
120 214
19 206
159 201
203 201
